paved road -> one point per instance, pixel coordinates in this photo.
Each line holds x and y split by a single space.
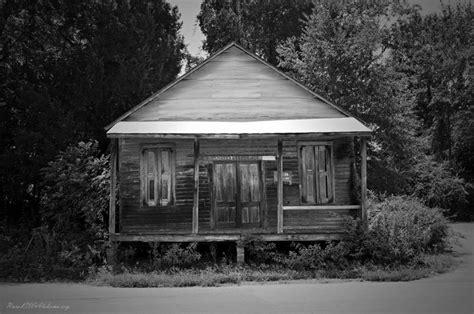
448 293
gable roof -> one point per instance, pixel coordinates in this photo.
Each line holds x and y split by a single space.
233 86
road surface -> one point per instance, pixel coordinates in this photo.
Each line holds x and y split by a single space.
448 293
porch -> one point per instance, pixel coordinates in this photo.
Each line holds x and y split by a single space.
292 223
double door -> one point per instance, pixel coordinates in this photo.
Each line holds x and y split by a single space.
237 193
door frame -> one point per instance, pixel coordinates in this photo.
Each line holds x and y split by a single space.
238 210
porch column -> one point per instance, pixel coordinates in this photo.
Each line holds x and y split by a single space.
363 178
280 187
113 183
196 188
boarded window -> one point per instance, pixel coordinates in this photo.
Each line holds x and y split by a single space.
316 174
157 176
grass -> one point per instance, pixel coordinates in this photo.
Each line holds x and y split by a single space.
428 265
209 277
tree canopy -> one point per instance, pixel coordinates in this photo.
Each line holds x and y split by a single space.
342 56
436 54
68 69
257 25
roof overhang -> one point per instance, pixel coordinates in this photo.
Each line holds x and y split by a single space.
342 126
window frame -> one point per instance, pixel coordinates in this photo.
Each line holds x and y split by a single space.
332 172
158 148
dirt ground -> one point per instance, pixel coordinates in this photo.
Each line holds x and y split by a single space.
452 292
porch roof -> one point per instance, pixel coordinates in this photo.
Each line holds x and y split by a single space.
347 125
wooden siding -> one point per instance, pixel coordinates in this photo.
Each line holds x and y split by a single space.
137 218
342 172
234 86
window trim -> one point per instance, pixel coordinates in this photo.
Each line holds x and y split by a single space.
143 183
299 146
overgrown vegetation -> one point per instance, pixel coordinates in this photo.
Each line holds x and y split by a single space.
401 235
404 240
72 231
166 256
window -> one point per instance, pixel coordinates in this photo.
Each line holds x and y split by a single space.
157 164
317 177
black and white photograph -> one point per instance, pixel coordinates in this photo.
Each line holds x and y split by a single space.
236 156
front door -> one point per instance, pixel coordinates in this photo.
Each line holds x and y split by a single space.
237 194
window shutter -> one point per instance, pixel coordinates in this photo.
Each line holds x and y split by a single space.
157 176
151 178
324 174
316 174
308 165
165 177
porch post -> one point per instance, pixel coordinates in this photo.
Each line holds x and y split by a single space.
196 188
363 178
113 183
280 187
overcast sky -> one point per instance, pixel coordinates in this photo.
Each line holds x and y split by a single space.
193 37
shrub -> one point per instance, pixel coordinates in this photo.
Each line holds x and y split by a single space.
331 256
399 230
438 186
70 238
257 250
74 203
174 255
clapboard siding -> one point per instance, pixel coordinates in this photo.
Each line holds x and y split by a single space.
342 172
137 218
219 147
321 219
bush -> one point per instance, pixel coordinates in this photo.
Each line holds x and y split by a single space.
399 230
72 232
438 186
174 255
74 203
257 250
331 256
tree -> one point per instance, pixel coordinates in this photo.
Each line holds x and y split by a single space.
68 69
259 25
435 52
341 55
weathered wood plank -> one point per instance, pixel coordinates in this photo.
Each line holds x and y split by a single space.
196 188
320 207
320 236
231 108
221 89
280 186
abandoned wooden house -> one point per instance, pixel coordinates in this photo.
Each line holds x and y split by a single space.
234 147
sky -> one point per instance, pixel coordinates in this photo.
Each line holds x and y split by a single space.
193 37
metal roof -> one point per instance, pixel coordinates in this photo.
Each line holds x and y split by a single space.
346 125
